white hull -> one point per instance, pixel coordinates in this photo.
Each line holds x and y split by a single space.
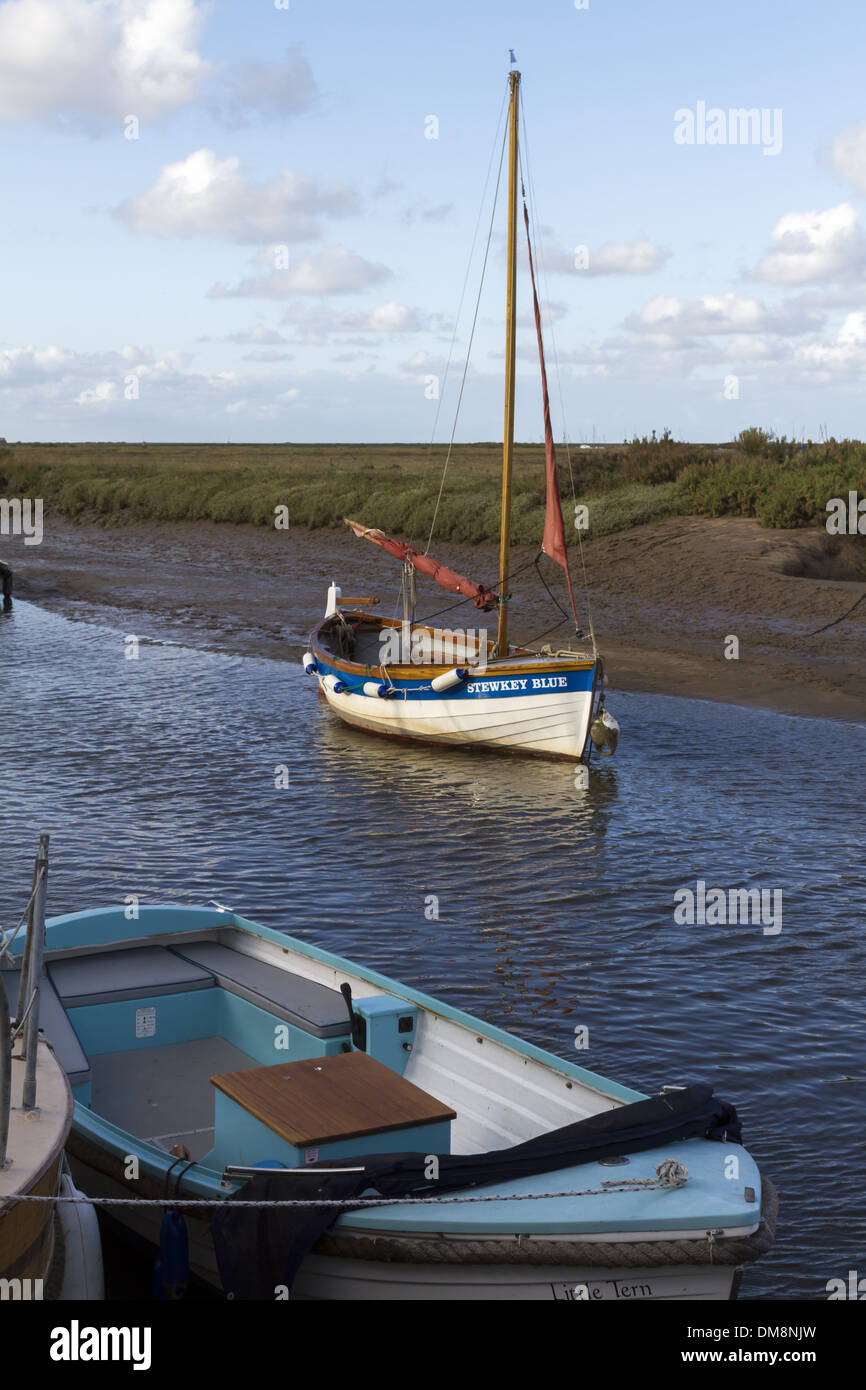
556 725
327 1277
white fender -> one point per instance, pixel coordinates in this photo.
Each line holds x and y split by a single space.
83 1276
449 679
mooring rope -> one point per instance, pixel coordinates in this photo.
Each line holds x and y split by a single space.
670 1175
837 620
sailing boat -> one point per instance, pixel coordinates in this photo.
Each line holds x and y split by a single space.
416 681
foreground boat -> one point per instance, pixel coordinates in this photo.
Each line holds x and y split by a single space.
201 1046
412 680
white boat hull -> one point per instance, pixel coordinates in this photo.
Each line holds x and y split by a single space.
328 1277
555 725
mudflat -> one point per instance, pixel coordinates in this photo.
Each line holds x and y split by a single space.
666 598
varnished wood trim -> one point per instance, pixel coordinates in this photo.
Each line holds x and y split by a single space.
326 1100
514 666
23 1224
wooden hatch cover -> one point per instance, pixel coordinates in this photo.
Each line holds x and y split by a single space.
328 1099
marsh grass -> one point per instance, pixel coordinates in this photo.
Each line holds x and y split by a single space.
780 482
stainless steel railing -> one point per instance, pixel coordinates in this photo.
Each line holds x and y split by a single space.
26 1024
5 1073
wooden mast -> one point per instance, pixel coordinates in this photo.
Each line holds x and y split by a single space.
511 310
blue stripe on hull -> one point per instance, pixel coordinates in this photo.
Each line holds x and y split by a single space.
488 687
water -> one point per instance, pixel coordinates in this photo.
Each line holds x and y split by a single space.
156 777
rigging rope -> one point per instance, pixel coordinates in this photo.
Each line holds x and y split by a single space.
466 276
539 255
493 587
471 340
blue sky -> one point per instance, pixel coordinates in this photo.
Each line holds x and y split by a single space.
280 253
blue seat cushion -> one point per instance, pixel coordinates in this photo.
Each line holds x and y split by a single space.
55 1024
108 977
308 1005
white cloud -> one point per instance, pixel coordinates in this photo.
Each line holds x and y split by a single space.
55 379
315 323
671 318
268 91
206 196
102 391
82 59
332 271
267 355
393 318
258 335
848 156
638 257
809 247
178 401
853 330
20 364
842 357
427 212
421 364
784 345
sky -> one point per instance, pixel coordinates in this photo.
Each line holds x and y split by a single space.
265 221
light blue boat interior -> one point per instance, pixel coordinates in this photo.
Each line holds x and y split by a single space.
142 1024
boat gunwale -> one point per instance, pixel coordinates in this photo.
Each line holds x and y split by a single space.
18 1118
523 660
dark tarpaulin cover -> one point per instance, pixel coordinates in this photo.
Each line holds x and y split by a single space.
259 1249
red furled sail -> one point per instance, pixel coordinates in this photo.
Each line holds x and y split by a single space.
553 543
481 596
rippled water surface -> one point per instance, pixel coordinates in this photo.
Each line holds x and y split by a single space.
156 777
